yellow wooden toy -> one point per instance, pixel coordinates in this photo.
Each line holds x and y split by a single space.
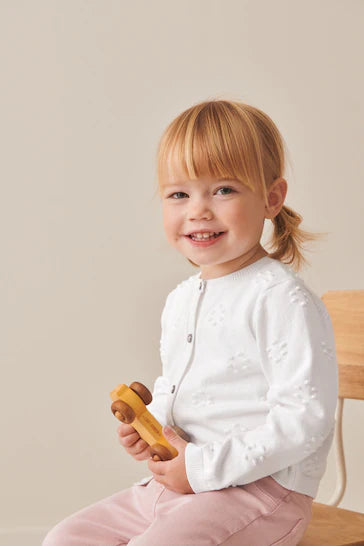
129 406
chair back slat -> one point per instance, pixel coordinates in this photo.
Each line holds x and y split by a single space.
346 310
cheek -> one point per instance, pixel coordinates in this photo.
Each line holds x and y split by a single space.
248 218
170 222
240 217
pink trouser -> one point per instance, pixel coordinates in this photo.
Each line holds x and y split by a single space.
261 513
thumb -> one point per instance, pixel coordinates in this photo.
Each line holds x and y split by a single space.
172 436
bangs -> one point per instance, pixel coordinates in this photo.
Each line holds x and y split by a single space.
216 139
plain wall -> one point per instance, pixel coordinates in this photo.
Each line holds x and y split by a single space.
87 87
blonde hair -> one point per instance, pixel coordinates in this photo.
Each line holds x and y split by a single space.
231 139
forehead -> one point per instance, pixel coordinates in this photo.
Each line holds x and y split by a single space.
174 174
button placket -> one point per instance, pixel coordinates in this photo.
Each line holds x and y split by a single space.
191 325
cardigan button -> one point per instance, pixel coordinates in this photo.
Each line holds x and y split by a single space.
173 388
189 338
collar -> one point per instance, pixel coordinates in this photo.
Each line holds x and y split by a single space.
246 272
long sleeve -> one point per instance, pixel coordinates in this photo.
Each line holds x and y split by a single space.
158 406
296 349
161 388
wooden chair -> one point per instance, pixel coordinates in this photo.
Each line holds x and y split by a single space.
332 526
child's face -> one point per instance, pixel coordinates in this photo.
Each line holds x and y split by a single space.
216 206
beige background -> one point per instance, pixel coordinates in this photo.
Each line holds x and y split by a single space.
87 88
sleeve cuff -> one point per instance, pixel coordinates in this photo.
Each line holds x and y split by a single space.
194 468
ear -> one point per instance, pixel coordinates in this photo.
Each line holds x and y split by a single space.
276 195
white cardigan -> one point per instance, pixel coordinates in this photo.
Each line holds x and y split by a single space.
250 373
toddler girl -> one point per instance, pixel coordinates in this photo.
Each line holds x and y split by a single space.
248 354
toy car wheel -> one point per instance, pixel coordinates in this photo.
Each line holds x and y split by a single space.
123 411
162 452
142 391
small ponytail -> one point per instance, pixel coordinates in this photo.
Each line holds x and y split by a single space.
288 238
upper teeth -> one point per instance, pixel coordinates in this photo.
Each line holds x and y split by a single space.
203 235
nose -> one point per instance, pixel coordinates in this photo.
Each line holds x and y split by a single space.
199 209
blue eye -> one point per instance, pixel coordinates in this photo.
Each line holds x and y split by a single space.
180 194
226 188
176 193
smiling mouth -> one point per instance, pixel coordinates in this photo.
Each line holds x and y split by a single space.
205 237
205 242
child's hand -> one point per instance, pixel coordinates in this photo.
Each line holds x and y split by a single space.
129 438
172 474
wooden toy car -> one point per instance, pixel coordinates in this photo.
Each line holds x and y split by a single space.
129 406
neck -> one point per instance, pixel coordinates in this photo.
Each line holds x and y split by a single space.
254 254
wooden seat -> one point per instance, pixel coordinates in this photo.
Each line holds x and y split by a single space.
330 525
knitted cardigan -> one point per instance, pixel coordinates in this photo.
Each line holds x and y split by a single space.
249 371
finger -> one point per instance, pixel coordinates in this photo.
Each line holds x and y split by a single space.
139 447
143 455
130 440
156 467
181 433
124 429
